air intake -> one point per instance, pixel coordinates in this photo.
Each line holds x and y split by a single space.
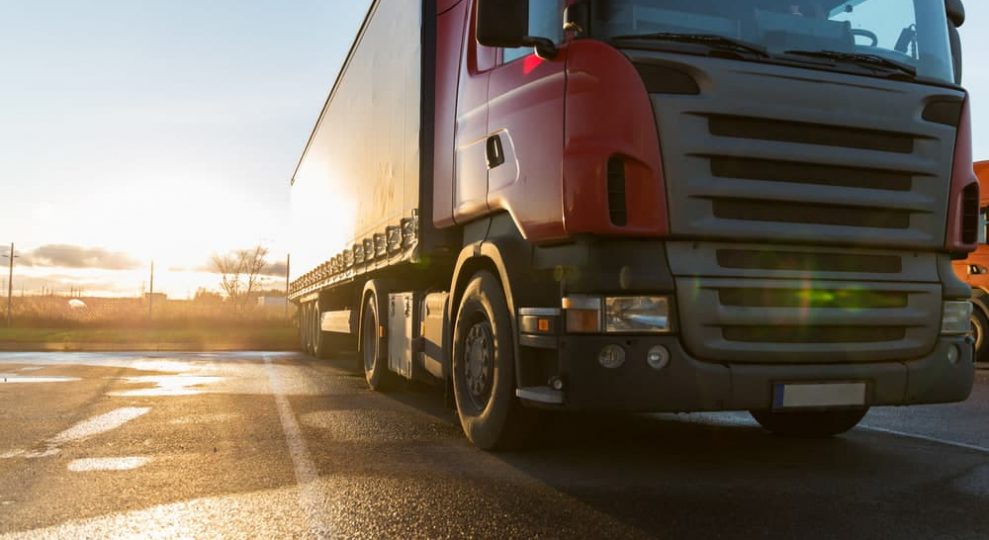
617 205
970 214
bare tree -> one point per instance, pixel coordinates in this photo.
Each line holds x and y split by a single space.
229 268
255 263
240 272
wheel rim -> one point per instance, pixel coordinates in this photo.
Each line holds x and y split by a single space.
977 333
479 355
369 340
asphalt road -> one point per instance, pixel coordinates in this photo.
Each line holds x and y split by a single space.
252 445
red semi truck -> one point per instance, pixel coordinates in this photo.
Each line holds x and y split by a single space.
975 271
645 205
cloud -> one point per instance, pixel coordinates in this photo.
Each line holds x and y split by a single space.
272 269
277 269
70 256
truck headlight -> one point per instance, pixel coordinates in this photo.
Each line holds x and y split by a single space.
637 314
955 319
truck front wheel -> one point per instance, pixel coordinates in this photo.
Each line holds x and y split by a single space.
809 423
980 324
484 368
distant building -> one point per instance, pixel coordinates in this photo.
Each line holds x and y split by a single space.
272 301
157 297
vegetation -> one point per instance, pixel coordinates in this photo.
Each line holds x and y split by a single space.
206 322
240 272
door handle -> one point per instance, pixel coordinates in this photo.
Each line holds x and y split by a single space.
495 152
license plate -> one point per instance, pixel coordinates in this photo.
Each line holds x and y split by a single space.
806 395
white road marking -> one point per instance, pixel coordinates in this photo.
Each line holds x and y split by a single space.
83 430
107 464
15 378
99 424
918 436
306 474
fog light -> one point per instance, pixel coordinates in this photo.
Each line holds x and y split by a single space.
556 383
956 317
658 357
611 356
954 354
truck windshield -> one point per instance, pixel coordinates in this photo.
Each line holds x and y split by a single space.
904 38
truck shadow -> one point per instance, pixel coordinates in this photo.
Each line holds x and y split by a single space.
722 475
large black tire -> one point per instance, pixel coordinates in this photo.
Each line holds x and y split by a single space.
980 325
484 369
321 341
375 362
306 324
303 328
809 423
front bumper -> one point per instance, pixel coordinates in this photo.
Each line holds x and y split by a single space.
688 384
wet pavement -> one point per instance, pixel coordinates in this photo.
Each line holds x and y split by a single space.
279 445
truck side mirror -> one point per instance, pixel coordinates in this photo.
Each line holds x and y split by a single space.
502 23
956 12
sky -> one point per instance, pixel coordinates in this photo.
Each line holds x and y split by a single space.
133 130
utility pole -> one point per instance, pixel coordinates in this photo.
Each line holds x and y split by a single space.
10 281
151 295
288 266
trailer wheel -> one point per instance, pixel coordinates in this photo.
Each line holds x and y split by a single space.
980 325
320 340
809 424
311 346
375 367
303 326
306 325
484 369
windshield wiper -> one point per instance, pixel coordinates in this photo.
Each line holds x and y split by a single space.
869 60
711 40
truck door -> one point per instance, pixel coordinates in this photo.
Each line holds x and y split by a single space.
470 183
524 144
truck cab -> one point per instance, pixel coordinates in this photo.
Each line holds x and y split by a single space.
648 205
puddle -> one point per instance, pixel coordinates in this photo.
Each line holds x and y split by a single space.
166 385
15 378
107 464
32 368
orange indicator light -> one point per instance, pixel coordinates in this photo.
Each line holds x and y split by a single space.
542 325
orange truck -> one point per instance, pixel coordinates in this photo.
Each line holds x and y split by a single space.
975 271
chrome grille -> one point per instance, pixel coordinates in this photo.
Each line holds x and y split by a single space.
774 153
767 321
